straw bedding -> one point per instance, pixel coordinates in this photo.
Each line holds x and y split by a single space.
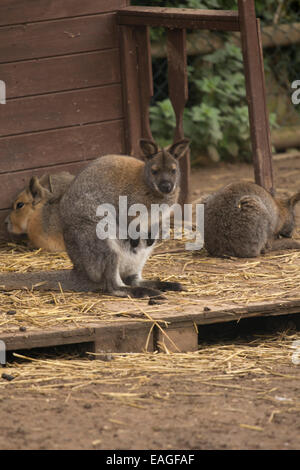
217 282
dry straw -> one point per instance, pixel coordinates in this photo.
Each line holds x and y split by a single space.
217 282
122 377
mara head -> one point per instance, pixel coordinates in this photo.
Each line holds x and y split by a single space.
162 165
287 209
25 205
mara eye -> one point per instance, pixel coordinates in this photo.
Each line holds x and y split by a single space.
154 172
19 205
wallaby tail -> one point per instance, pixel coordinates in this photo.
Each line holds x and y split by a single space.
64 279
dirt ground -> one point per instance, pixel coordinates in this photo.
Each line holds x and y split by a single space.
241 390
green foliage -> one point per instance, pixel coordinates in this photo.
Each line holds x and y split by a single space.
219 113
216 114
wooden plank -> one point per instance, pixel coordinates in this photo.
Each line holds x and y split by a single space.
61 146
142 37
196 313
132 336
178 92
12 183
49 75
24 11
130 87
256 96
56 337
180 18
59 37
182 337
61 110
124 337
3 233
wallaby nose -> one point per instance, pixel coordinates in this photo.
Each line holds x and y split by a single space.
165 186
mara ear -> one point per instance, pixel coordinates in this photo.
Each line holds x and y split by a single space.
179 148
45 181
149 148
37 191
292 201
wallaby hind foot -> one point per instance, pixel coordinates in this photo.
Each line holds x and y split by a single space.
283 244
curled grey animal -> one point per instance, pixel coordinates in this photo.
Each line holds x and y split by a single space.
244 220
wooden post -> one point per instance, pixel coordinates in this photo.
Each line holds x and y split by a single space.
178 93
145 77
131 96
256 94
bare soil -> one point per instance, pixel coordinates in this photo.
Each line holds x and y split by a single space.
245 401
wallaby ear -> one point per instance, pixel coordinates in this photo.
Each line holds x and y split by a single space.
179 148
292 201
149 148
37 190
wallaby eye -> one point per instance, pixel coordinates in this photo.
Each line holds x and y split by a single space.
154 172
19 205
173 171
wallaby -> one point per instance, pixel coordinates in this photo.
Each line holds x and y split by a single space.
244 220
113 266
35 211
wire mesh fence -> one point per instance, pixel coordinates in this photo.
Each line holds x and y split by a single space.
216 115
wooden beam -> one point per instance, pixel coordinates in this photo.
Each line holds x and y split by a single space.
178 92
225 20
256 95
142 35
130 88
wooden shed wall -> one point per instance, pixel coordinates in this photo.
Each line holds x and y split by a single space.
60 62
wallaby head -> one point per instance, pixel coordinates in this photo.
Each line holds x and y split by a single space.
287 214
162 171
25 205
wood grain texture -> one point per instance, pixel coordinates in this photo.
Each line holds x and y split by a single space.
142 37
49 75
24 11
130 89
178 92
61 146
256 95
59 37
117 337
12 183
179 18
124 337
61 110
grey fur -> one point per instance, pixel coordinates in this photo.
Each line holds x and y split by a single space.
110 266
244 220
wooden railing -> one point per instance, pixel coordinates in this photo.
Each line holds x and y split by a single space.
134 23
